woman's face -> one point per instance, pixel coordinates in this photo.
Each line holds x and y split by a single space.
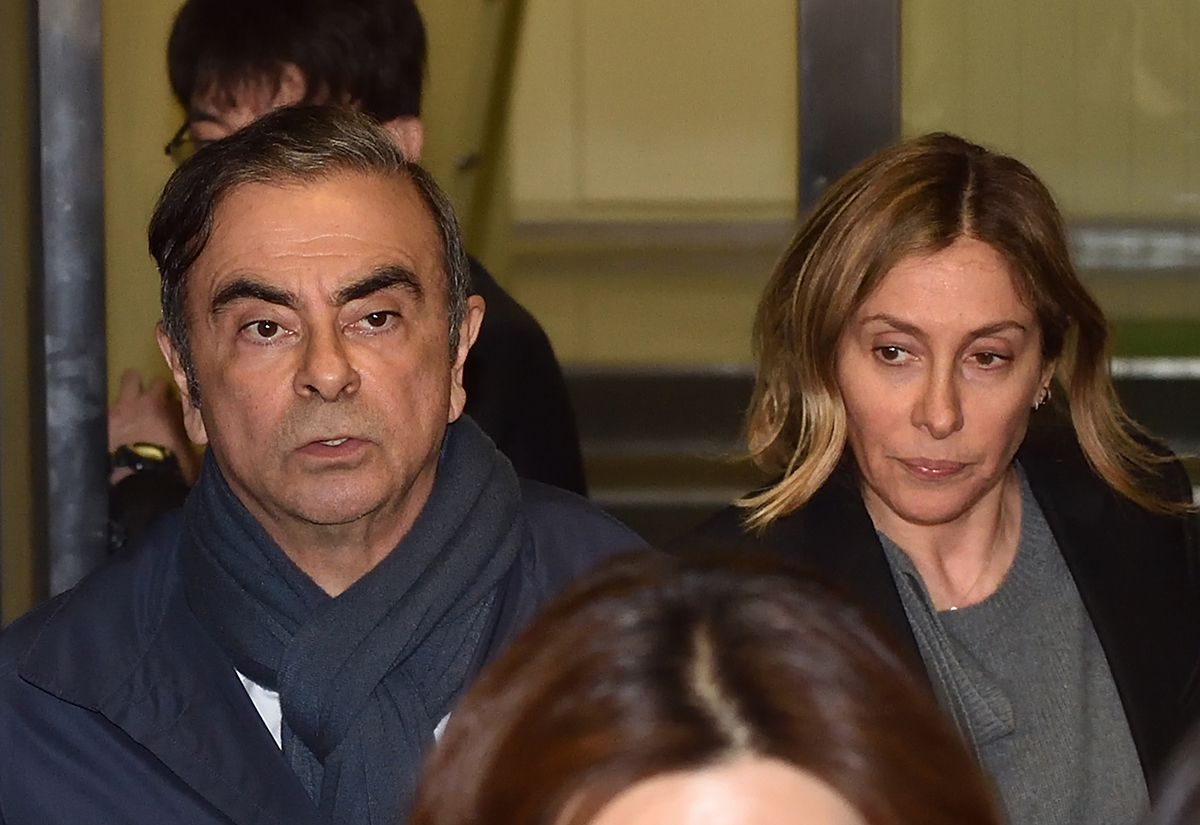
939 369
749 791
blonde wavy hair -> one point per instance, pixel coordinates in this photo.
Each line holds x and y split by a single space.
917 198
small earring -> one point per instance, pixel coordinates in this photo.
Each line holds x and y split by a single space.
1043 398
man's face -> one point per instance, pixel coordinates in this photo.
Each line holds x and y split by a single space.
318 324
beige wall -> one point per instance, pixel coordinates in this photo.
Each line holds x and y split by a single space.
687 102
139 118
675 111
677 103
1100 97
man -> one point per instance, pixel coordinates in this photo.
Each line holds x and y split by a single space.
354 549
230 62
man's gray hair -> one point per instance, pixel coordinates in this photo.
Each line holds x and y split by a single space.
291 145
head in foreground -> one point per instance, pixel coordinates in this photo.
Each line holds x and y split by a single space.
925 308
657 689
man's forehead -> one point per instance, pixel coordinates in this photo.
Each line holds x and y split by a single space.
345 214
352 190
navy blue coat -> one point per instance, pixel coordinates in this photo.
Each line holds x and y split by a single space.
116 706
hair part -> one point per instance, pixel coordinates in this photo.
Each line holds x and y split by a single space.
651 664
368 53
293 145
916 198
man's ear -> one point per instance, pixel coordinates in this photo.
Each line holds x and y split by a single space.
192 422
409 134
468 331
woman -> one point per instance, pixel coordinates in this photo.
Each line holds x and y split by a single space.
933 394
654 690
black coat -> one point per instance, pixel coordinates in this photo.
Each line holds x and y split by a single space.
1137 574
516 392
117 706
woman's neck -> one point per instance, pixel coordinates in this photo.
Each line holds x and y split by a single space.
963 561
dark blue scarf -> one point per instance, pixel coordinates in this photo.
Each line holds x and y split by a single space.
365 677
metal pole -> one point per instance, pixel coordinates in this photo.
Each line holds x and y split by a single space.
70 133
849 67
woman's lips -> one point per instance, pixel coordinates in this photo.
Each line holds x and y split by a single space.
929 469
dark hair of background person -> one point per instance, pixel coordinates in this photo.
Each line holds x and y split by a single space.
370 53
1177 801
651 664
916 198
291 145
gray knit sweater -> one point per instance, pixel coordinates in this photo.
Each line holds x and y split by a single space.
1024 677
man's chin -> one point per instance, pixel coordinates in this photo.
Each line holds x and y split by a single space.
335 514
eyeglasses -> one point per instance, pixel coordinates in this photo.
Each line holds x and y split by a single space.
182 145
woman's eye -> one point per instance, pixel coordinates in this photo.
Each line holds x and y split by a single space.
989 359
890 355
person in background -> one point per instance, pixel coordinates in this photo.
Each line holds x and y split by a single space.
933 393
232 61
727 689
355 548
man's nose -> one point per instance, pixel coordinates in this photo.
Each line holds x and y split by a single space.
939 407
325 369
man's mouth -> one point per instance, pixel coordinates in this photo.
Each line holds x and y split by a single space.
333 448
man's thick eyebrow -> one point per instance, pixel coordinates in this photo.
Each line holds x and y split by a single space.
383 277
246 287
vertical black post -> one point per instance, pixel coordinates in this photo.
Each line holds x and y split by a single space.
70 135
849 63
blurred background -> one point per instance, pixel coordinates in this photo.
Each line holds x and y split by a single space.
631 170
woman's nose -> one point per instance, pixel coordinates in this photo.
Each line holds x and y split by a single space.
939 408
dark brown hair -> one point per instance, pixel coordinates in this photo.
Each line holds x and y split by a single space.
370 53
652 664
917 198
